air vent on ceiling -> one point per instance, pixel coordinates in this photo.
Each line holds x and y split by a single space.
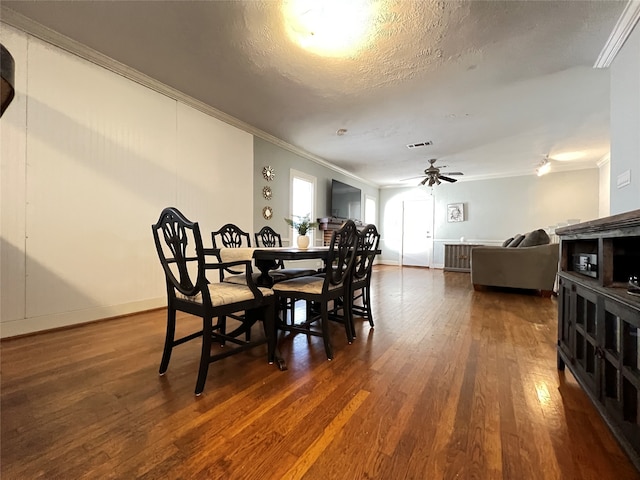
419 144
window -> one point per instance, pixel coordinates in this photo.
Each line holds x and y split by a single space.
370 212
303 194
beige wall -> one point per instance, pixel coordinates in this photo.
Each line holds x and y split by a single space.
89 159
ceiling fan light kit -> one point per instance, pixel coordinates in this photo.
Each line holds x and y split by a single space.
433 175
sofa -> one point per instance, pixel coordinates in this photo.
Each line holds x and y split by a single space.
525 261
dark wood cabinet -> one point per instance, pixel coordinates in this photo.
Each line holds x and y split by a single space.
599 321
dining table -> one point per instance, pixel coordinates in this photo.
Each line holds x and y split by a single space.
266 259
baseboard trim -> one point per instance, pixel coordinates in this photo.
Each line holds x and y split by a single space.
45 323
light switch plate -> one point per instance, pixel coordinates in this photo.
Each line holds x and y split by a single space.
624 179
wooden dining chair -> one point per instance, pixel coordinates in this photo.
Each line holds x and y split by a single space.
231 236
322 290
368 242
184 261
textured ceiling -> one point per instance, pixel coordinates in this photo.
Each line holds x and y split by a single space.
495 86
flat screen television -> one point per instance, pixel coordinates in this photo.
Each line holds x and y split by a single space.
345 201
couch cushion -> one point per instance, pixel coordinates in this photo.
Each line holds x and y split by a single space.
507 241
536 237
516 241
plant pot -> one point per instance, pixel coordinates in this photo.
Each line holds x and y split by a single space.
303 242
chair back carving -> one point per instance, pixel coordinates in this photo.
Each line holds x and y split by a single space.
368 241
230 236
179 246
341 254
268 237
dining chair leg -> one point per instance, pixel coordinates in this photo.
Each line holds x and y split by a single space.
168 341
205 354
324 319
367 303
222 328
348 321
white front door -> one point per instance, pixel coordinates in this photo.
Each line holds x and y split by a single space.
417 228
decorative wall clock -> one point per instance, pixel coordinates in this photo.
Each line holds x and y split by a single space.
267 193
268 173
267 213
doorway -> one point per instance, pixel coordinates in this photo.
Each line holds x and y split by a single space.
417 232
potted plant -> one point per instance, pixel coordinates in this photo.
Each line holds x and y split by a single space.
302 225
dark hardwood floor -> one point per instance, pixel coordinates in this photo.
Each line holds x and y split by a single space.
451 383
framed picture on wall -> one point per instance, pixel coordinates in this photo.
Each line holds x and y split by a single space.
455 212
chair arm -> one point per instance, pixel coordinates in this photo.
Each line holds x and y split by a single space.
221 266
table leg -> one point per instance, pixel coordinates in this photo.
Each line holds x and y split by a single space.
265 280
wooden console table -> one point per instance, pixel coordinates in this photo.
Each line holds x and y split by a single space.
457 257
599 322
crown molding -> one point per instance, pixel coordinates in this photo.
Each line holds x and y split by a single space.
37 30
604 160
619 35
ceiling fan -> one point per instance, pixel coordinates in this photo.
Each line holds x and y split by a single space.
433 175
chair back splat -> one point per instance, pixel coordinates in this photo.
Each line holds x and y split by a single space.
230 236
184 261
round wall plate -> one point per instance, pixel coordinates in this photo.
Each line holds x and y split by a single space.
268 173
267 213
267 193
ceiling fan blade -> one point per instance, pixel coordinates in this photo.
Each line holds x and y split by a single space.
411 178
447 179
452 173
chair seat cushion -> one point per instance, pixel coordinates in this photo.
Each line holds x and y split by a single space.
226 293
312 285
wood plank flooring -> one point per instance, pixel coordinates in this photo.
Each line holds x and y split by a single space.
450 383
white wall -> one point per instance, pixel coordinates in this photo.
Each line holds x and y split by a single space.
89 159
625 124
499 208
604 206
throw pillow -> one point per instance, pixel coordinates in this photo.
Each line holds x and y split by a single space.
536 237
516 241
507 242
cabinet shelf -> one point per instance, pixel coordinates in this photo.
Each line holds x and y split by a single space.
599 322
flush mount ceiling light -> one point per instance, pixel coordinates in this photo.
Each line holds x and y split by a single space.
331 28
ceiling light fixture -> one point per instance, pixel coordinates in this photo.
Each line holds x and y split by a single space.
341 132
331 28
544 168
